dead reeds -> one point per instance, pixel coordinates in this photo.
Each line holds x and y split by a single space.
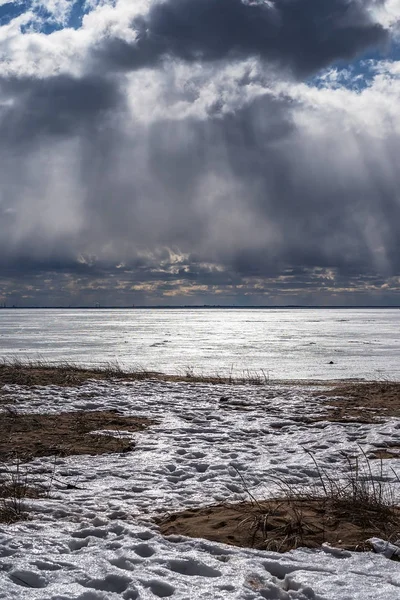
344 512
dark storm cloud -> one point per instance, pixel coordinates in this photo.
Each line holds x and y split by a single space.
302 35
248 191
58 105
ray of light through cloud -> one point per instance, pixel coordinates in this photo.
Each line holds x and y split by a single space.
183 151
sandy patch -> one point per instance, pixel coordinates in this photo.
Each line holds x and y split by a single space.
389 452
26 436
282 525
363 402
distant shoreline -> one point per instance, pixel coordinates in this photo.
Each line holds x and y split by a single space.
204 307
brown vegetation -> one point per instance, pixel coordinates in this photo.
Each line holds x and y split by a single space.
14 489
363 402
344 513
67 374
40 373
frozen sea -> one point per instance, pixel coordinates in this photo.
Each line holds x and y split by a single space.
281 343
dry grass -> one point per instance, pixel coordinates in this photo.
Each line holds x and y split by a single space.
362 498
65 374
344 513
14 490
32 373
364 402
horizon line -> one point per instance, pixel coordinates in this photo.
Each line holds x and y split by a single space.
201 306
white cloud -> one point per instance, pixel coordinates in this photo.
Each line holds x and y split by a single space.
388 13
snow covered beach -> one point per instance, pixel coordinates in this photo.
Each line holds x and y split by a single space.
94 536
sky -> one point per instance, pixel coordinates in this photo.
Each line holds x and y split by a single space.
230 152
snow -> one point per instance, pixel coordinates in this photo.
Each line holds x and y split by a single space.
96 539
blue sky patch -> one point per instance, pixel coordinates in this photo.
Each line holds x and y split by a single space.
12 10
357 74
44 20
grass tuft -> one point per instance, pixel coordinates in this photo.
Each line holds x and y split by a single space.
363 499
14 490
40 372
344 513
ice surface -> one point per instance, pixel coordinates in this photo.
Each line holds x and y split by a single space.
97 539
284 343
